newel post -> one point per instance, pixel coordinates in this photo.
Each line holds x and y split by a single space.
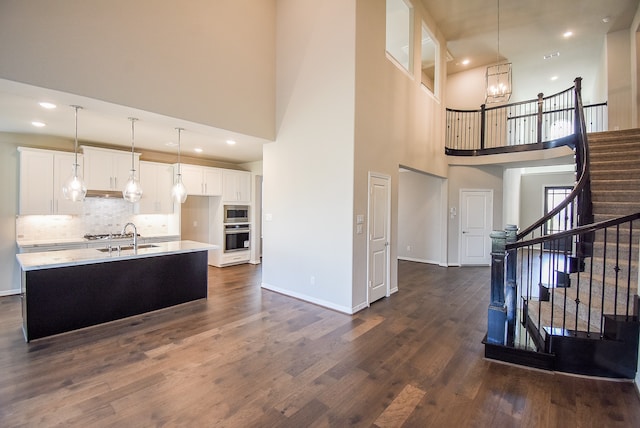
511 285
540 117
483 124
497 316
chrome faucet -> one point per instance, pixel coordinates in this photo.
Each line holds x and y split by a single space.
135 234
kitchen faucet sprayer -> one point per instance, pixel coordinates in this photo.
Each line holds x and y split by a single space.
135 234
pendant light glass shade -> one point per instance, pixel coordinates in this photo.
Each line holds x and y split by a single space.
74 187
178 191
132 190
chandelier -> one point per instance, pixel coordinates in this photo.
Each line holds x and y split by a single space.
498 76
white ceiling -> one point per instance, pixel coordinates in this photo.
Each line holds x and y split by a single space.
107 123
528 31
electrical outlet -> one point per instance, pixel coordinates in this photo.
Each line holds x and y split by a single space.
408 247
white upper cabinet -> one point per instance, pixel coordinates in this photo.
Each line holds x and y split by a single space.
237 186
201 180
107 169
156 180
42 175
212 181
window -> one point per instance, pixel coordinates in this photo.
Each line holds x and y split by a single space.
430 53
399 45
554 196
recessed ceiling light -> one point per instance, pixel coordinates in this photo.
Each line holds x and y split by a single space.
231 142
567 34
170 144
606 19
47 105
37 124
198 150
466 61
554 78
551 55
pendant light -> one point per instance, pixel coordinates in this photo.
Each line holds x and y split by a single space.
74 187
132 190
178 191
498 77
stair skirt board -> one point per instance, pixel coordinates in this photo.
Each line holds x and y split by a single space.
521 357
615 356
594 357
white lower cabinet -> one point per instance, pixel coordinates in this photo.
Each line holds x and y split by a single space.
42 175
156 180
219 258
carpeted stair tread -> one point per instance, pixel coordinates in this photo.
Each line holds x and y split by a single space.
629 195
621 184
615 185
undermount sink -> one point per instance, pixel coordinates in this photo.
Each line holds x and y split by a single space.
125 248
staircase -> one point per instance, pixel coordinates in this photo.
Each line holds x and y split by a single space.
595 311
615 173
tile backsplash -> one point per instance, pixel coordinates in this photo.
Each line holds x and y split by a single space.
100 215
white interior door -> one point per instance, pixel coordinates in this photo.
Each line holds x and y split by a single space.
476 221
378 230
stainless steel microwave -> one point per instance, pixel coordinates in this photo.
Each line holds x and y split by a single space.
236 213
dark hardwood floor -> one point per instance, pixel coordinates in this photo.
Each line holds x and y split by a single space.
253 358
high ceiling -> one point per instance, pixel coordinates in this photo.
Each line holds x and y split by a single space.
529 30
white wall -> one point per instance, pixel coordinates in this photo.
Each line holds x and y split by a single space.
397 122
308 170
210 62
619 80
466 90
532 191
9 269
466 177
511 192
419 217
195 219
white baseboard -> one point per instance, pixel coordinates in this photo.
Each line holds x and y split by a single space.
415 259
430 262
359 307
10 292
315 301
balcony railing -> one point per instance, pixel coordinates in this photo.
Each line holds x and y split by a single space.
542 121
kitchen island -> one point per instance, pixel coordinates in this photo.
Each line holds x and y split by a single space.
72 289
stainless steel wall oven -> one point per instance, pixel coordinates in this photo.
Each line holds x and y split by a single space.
236 237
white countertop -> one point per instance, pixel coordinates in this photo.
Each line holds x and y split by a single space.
34 243
84 256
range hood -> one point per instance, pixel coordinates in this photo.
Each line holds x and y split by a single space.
113 194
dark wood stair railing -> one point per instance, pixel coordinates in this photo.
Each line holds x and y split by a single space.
579 304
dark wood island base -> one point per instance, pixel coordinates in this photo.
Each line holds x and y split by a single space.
61 299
